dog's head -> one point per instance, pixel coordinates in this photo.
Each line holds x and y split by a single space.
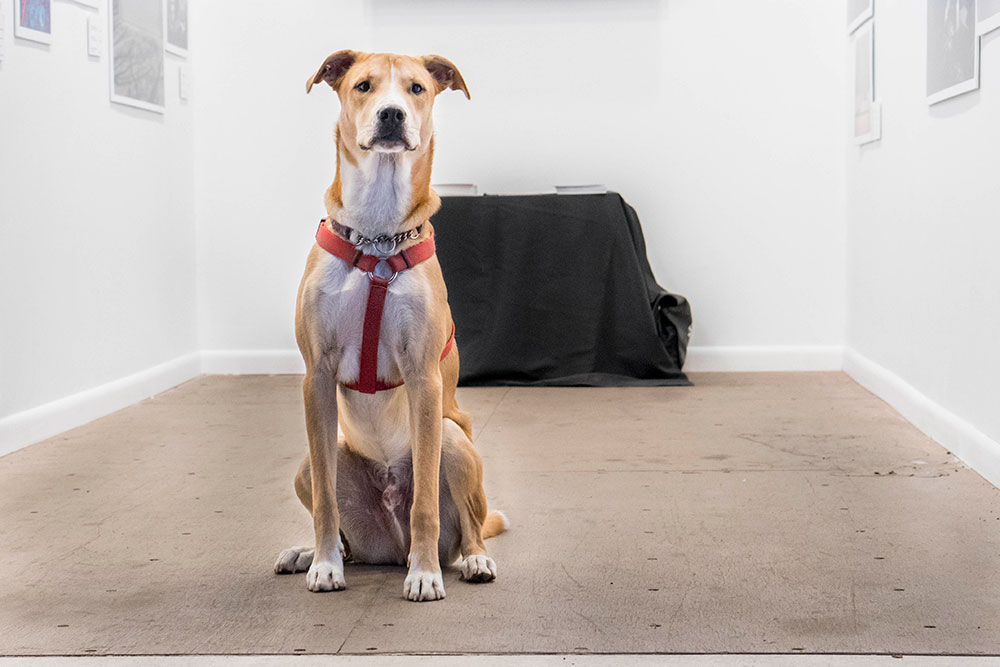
386 100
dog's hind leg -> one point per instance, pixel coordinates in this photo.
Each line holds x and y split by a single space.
449 383
463 470
298 559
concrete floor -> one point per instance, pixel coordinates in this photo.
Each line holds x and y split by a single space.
751 513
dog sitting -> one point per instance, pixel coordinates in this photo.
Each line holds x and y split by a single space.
404 485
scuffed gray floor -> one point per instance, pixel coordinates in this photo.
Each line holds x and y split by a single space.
751 513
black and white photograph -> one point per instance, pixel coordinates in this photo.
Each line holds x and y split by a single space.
987 16
858 11
177 27
137 76
501 333
952 49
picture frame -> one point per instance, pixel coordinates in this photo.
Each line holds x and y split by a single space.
136 61
952 49
33 20
867 114
175 27
987 16
858 11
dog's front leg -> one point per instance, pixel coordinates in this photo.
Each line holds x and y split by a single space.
327 570
423 581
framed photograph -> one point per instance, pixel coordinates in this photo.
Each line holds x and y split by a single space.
987 16
177 27
33 20
952 49
858 11
867 119
136 28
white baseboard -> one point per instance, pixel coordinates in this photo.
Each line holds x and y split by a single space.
764 358
975 448
252 362
23 428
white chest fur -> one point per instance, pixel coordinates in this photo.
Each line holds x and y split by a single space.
375 425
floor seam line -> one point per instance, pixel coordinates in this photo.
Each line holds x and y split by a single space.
496 407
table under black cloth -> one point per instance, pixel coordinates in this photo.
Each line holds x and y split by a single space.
557 290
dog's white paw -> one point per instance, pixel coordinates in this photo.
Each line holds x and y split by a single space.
294 559
422 585
326 576
479 568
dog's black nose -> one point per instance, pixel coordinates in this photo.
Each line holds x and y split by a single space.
391 116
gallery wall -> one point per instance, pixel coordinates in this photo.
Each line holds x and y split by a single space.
923 234
731 150
97 236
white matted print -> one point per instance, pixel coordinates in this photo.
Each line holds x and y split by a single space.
952 49
137 53
867 120
177 27
33 20
858 11
987 16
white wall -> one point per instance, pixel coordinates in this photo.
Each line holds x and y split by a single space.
97 229
721 121
263 158
924 234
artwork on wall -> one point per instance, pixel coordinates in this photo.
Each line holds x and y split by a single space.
858 11
33 20
952 49
177 27
867 116
137 53
987 16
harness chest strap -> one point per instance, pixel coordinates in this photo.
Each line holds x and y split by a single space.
368 382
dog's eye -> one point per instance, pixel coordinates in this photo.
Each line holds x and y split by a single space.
416 89
364 87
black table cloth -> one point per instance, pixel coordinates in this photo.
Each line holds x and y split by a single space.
557 290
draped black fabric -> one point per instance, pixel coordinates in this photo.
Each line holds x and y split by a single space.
557 290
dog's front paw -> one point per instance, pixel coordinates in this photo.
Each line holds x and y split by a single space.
294 559
478 568
423 585
325 576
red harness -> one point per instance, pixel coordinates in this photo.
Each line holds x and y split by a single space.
368 382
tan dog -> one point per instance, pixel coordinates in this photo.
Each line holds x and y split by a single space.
404 447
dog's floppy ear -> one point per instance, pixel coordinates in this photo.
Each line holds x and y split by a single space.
446 74
333 69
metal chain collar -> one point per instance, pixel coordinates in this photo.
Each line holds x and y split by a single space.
386 245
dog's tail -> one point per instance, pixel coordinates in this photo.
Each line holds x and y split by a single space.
495 524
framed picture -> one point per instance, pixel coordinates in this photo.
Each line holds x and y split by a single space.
867 118
858 11
987 16
952 49
33 20
177 27
136 28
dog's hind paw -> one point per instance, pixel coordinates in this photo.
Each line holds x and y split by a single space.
479 568
325 577
294 559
